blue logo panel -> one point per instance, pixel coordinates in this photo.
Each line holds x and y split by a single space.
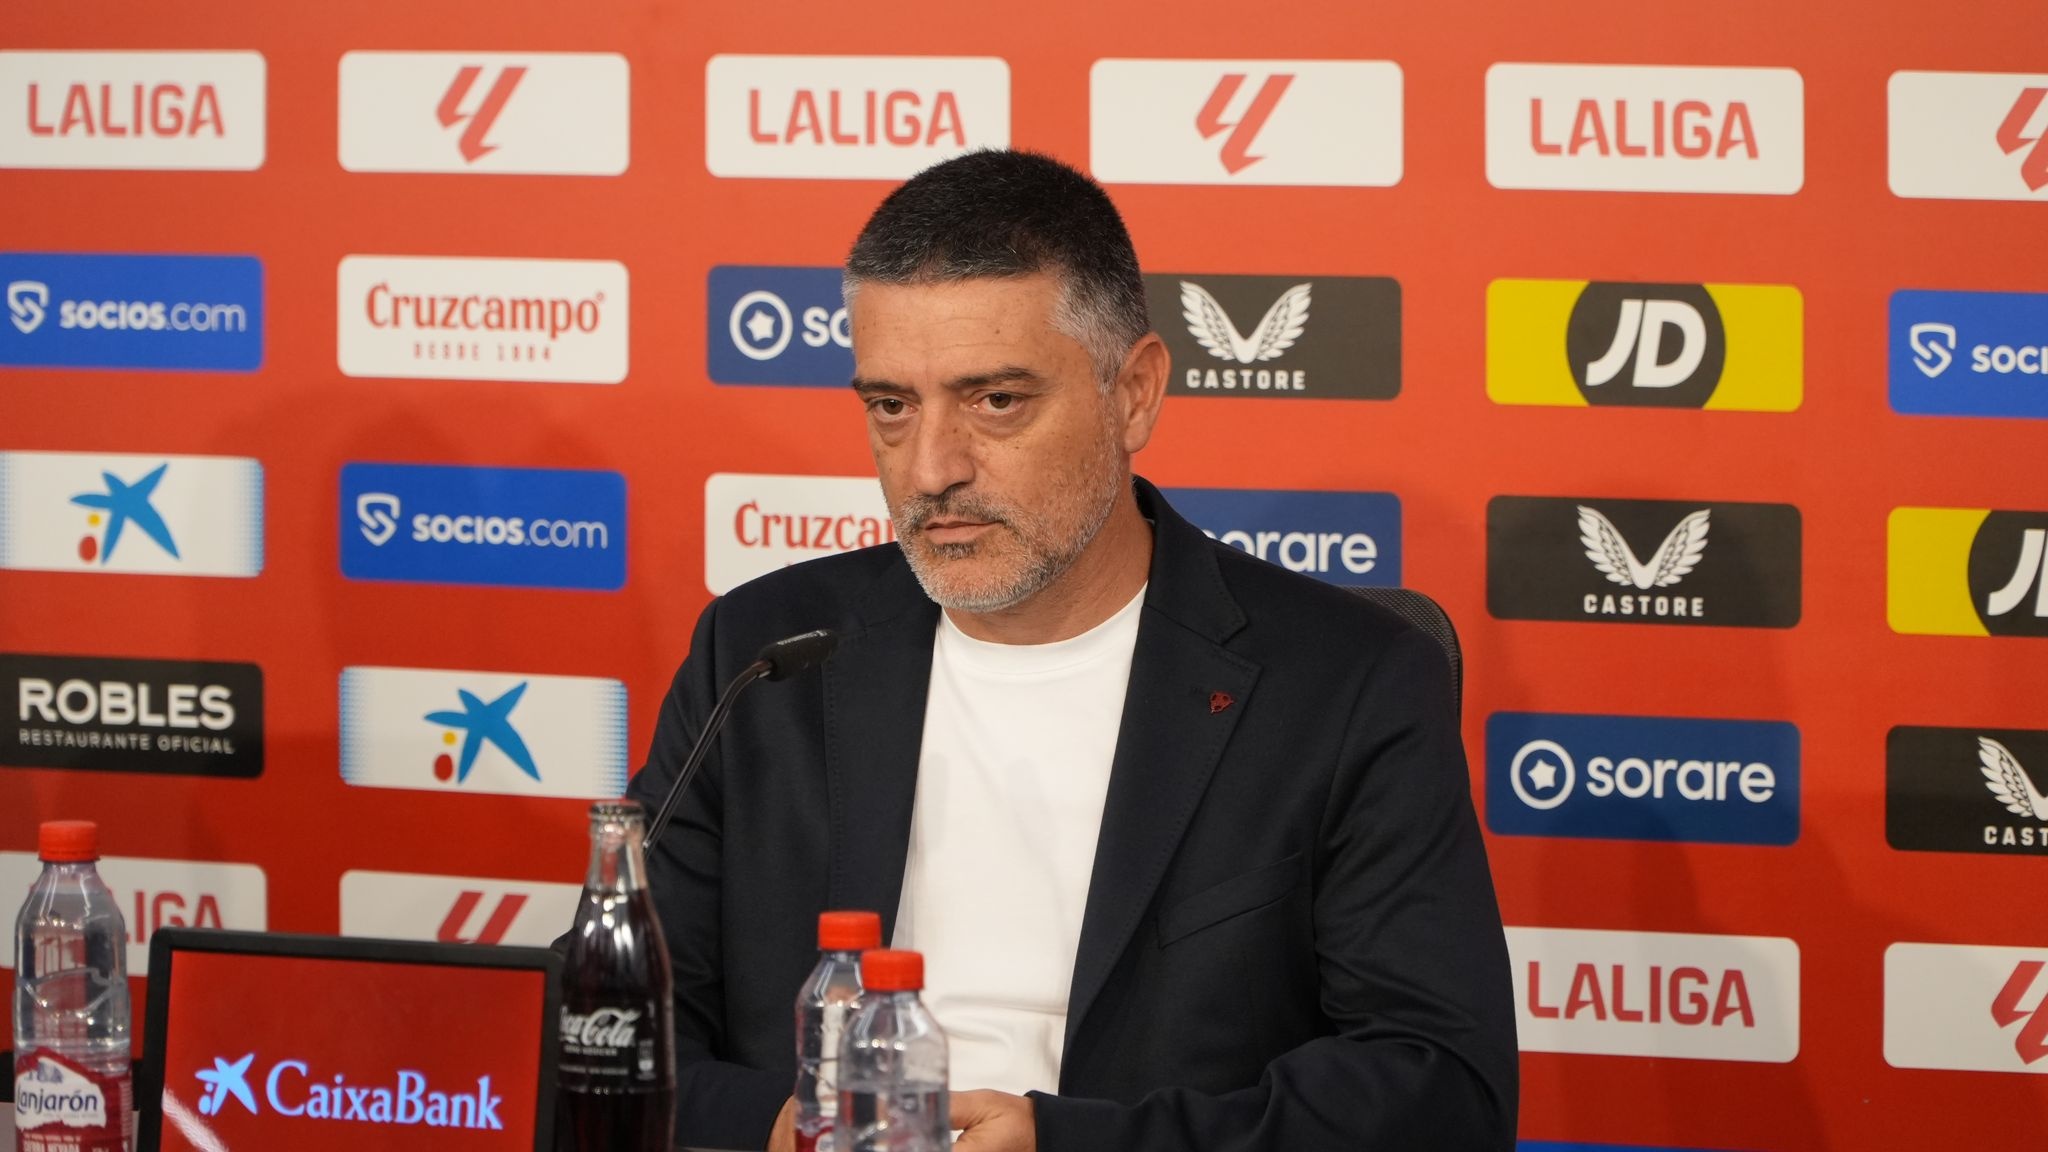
1341 537
777 326
1969 353
1642 778
185 313
513 527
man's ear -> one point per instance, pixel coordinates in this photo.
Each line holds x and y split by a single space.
1140 390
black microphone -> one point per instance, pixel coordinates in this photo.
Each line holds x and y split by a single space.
778 661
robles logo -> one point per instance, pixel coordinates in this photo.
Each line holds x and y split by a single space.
522 527
546 321
1351 538
1642 778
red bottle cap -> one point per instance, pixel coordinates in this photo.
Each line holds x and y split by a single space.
886 970
849 931
68 841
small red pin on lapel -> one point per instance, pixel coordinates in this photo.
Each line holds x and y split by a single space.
1218 701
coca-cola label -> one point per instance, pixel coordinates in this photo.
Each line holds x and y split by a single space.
61 1106
608 1048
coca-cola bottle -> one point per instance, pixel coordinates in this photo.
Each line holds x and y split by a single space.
617 1083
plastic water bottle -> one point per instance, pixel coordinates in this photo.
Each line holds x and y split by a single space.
72 1091
828 996
892 1064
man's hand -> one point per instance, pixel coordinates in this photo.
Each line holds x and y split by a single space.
994 1122
782 1138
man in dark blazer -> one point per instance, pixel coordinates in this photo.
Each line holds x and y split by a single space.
1287 938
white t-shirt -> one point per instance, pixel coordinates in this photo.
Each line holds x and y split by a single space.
1011 777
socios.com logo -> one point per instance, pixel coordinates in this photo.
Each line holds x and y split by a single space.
1343 537
1969 353
1642 778
293 1089
778 326
73 310
521 527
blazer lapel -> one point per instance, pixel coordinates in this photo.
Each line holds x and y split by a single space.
1185 695
875 687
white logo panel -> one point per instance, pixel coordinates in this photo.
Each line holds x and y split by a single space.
754 525
850 117
505 733
156 894
456 909
539 113
1618 128
1665 994
1968 135
482 318
109 512
1966 1007
132 110
1276 122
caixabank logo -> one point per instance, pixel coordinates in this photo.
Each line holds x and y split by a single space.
171 717
158 894
1323 337
1968 135
777 326
512 527
1969 353
1967 572
755 524
1660 994
529 113
1643 561
512 734
131 513
1971 1008
1642 778
1351 538
1732 347
1967 790
94 310
1246 122
850 117
455 909
132 110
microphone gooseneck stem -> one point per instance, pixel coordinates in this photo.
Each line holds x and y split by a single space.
712 725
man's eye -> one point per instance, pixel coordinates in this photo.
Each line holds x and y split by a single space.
888 406
1000 401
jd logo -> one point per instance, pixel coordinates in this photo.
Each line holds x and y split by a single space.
1646 345
2009 573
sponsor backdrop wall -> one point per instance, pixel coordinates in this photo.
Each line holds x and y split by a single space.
383 393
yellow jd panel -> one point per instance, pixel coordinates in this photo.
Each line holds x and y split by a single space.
1927 566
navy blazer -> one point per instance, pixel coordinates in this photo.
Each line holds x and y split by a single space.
1290 942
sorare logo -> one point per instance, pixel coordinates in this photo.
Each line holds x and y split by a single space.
1967 790
1967 572
1351 538
1608 561
1575 343
1291 337
511 527
1969 353
1642 778
163 717
123 513
507 733
777 326
95 310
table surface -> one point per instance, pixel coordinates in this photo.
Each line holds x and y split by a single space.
7 1131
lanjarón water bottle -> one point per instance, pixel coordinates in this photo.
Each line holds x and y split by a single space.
892 1064
822 1006
617 1078
72 1091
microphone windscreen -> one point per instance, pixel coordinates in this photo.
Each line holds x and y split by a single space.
799 653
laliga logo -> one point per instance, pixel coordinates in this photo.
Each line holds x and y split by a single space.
26 301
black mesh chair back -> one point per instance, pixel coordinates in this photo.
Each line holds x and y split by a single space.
1423 612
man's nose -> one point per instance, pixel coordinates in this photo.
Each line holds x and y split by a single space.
942 454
